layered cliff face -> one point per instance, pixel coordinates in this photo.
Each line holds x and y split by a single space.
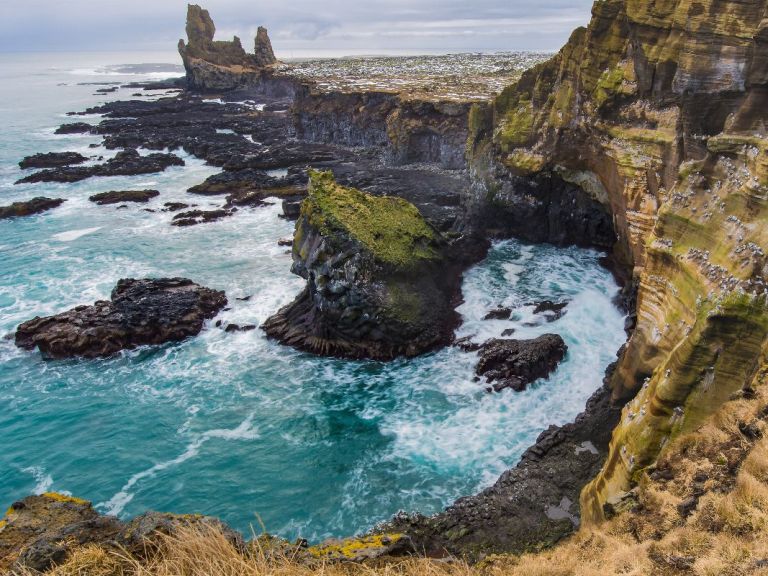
656 111
379 282
221 65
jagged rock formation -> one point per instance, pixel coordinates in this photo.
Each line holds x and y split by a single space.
221 65
657 112
516 363
140 312
379 282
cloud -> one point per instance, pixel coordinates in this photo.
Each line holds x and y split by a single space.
304 25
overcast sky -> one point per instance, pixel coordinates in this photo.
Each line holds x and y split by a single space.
297 27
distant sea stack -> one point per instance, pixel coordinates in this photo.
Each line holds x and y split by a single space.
222 65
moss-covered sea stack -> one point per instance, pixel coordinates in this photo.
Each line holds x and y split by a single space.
379 283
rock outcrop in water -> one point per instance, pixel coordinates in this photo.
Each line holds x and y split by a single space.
30 207
140 312
221 65
516 363
118 196
52 160
125 163
379 282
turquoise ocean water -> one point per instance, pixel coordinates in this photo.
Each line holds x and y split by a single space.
231 424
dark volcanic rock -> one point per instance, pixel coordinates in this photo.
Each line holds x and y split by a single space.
150 311
534 504
117 196
499 314
174 206
379 284
29 207
125 163
52 160
291 209
549 306
199 217
516 363
74 128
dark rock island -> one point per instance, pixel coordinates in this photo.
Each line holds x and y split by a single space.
140 312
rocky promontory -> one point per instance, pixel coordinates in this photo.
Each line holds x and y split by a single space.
379 281
140 312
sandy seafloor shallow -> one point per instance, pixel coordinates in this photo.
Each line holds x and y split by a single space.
231 424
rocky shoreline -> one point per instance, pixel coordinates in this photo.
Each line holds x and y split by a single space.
640 137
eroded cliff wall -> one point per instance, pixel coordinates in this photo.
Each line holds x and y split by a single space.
657 111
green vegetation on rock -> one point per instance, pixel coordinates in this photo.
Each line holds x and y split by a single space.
391 228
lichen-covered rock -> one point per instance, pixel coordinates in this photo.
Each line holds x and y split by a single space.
29 207
516 363
39 532
362 548
140 312
379 284
221 65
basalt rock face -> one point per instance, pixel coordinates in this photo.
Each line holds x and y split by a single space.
655 112
379 283
221 65
410 130
140 312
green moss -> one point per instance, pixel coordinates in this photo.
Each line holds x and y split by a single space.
517 126
608 85
391 228
525 163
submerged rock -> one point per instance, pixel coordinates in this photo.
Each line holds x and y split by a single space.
118 196
148 311
379 283
125 163
516 363
52 160
29 207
